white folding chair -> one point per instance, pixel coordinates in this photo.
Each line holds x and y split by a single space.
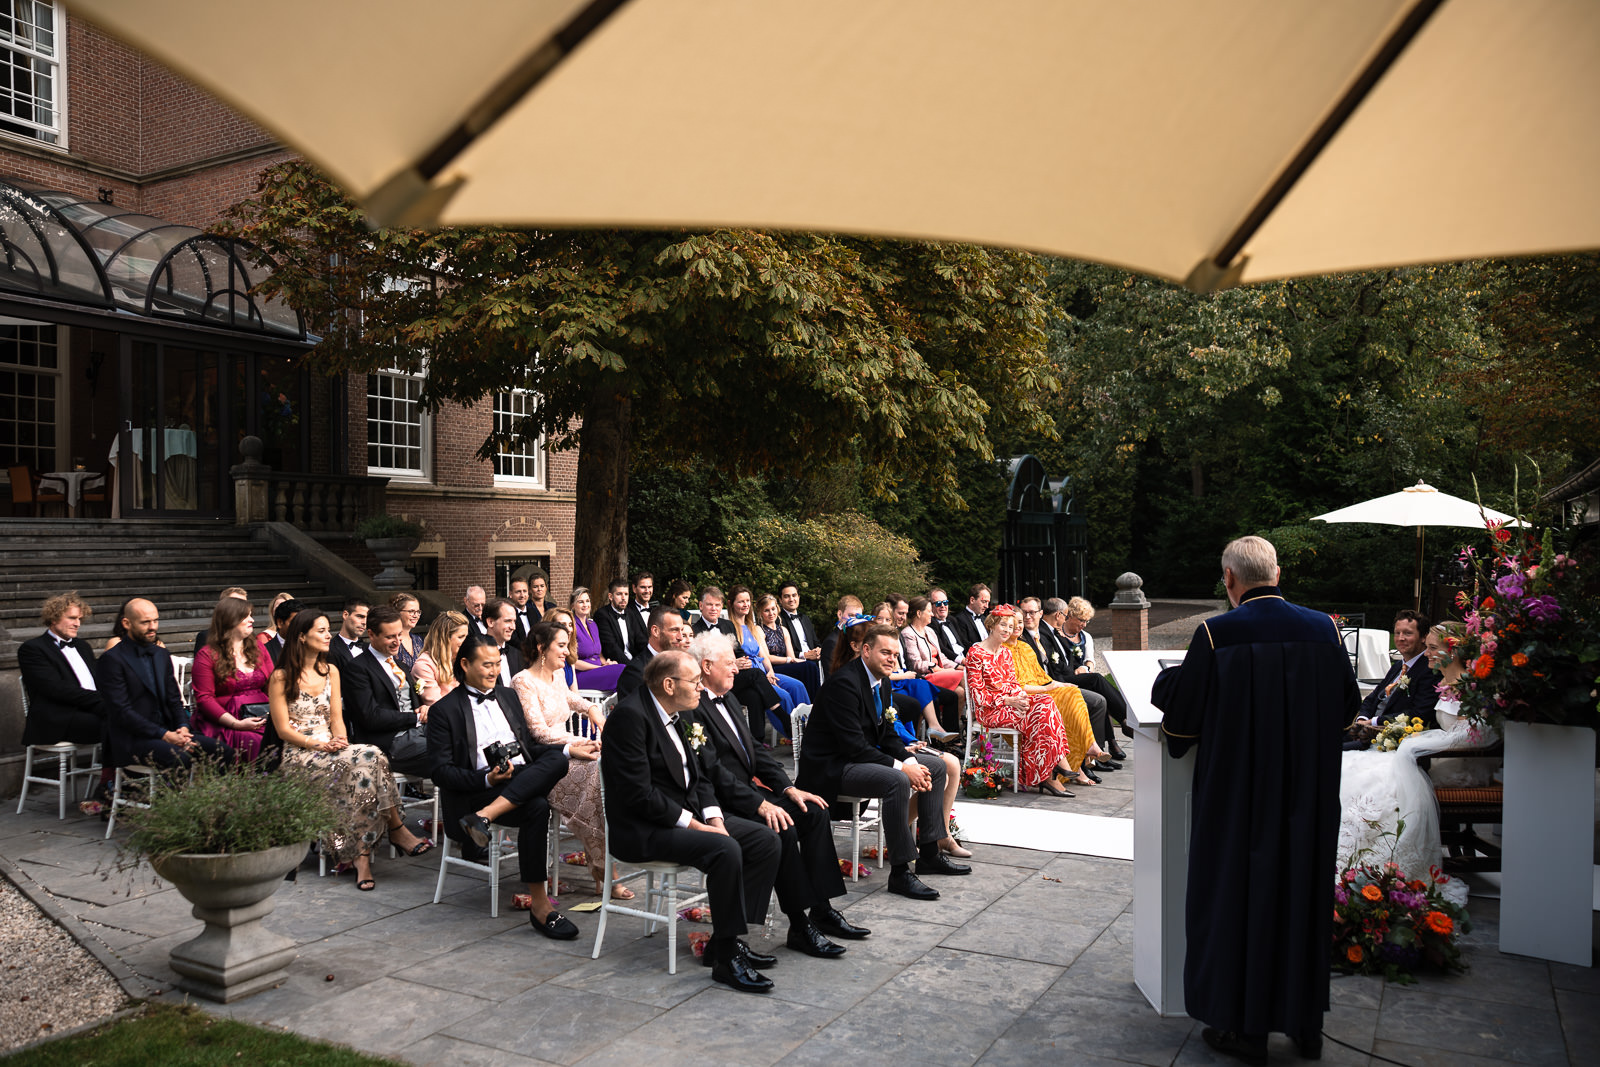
65 754
431 802
150 776
500 850
183 669
859 820
1007 741
663 896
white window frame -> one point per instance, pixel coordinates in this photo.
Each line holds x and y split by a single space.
534 451
424 471
51 137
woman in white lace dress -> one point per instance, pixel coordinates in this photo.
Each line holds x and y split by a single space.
1385 792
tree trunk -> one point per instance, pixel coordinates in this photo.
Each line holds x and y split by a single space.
600 540
1197 476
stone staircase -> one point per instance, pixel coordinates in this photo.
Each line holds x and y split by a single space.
180 564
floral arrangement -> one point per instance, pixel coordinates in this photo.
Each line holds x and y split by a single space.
983 778
1385 923
1388 739
1532 647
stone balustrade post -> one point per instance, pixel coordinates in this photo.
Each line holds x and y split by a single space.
1130 615
250 484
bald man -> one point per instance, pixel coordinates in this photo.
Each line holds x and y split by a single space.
146 721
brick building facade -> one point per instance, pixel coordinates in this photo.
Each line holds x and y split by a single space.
85 114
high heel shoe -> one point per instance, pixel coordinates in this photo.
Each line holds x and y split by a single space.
1050 788
949 847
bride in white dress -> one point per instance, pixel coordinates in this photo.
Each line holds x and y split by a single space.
1379 790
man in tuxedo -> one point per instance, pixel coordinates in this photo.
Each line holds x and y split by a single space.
500 621
349 642
851 747
282 618
1056 665
527 615
644 587
849 607
751 784
711 612
476 794
667 630
472 606
380 698
238 593
145 718
64 701
619 641
968 622
1409 688
660 805
802 634
949 640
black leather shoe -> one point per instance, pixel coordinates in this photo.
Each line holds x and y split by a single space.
477 828
1088 772
907 884
827 918
556 926
1252 1050
809 939
1310 1048
932 861
1127 731
733 971
746 953
1116 752
1107 765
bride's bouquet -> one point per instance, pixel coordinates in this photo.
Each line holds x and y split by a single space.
1385 923
1388 739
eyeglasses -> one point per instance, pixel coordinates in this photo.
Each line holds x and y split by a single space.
695 681
941 603
1025 611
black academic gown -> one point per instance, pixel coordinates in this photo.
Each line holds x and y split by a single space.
1264 693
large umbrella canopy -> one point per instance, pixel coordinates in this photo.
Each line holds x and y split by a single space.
1206 143
1419 505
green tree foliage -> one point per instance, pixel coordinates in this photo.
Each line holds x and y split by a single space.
826 556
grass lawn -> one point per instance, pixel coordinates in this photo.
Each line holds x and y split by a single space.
165 1035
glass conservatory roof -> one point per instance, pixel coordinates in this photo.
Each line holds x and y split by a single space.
61 246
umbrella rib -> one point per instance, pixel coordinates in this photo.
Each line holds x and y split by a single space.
1358 91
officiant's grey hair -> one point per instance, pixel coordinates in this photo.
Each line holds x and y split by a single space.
1252 560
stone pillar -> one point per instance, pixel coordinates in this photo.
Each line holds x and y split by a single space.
1130 615
250 484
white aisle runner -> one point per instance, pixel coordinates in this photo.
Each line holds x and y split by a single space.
1047 831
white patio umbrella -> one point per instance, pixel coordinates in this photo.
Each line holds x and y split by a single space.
1207 143
1419 505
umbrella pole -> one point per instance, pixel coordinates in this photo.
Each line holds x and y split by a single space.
1416 588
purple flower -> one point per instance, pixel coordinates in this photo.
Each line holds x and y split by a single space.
1341 896
1512 585
1544 609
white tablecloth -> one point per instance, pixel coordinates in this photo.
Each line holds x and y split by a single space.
1372 658
177 442
72 483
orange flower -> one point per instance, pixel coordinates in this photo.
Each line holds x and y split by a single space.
1354 954
1440 923
1372 892
1518 659
1416 883
1484 666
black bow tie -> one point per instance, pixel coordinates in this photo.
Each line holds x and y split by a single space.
62 642
480 698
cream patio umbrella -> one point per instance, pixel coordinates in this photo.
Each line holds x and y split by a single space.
1419 505
1206 143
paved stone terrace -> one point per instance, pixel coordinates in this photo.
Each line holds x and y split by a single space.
1026 961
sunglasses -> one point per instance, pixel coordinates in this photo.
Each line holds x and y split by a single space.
941 603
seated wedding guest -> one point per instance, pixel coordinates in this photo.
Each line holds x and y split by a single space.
678 594
928 700
1069 702
619 639
410 610
924 653
472 607
283 613
644 587
748 640
1408 690
308 715
848 607
569 672
998 699
781 653
851 748
661 806
526 615
547 705
968 622
515 791
595 671
234 592
802 634
500 622
230 680
381 697
57 667
350 641
145 718
750 684
902 610
1064 625
666 629
949 640
1053 663
539 595
269 636
711 612
751 784
431 670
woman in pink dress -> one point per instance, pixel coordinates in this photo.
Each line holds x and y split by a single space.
594 670
547 705
230 673
432 668
1000 700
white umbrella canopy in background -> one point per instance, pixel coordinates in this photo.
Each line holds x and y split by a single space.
1419 505
1206 143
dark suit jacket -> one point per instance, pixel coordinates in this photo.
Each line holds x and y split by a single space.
846 728
513 663
739 759
644 782
135 716
638 624
829 643
611 629
799 626
274 647
947 639
966 629
1418 699
372 712
723 625
339 653
453 749
1042 649
53 689
632 676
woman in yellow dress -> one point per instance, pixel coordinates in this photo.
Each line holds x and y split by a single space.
1069 702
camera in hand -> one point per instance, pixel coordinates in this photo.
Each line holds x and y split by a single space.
502 752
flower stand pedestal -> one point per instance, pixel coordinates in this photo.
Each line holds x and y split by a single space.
1547 858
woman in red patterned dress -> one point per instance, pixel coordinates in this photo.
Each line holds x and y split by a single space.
1000 700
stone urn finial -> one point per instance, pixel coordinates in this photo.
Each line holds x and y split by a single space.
1130 592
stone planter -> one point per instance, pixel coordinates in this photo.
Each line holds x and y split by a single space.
393 553
235 955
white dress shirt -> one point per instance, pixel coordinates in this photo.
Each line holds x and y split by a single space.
492 726
75 661
977 620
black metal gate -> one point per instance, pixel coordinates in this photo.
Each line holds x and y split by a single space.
1044 551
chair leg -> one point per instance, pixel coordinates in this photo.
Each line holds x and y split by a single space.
116 801
444 865
27 772
64 762
672 924
605 907
855 841
494 874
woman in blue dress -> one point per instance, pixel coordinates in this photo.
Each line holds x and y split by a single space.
747 634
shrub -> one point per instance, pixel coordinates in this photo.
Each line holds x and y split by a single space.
228 809
827 557
383 527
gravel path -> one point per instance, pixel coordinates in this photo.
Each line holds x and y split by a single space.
48 982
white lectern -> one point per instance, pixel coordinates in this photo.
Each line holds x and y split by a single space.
1161 790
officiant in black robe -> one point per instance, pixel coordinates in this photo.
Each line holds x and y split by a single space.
1264 692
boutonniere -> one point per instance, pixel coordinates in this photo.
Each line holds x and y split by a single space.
1404 681
697 737
418 687
1055 657
889 716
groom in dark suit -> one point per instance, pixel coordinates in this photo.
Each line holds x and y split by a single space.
64 702
1409 689
146 719
477 794
660 805
380 697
